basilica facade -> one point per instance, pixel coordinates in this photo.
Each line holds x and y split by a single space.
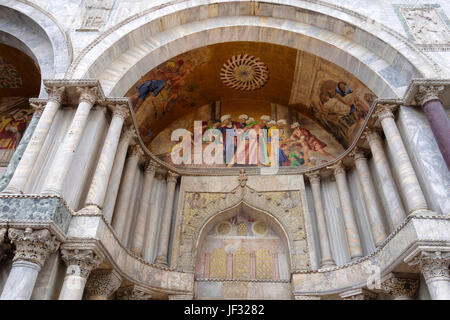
226 149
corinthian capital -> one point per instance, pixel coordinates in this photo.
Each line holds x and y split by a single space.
55 93
357 154
150 167
172 177
121 111
385 110
400 287
313 177
33 246
102 283
338 168
38 107
433 264
80 262
88 94
427 93
135 151
371 135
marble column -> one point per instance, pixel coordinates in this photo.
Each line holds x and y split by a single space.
325 251
428 97
434 267
150 242
66 150
409 184
164 235
102 284
116 173
393 201
99 184
25 166
119 221
32 249
132 293
358 294
400 288
18 153
369 192
144 206
79 265
351 228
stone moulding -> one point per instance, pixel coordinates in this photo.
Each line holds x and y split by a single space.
35 209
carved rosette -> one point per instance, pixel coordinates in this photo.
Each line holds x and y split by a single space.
102 283
55 93
132 293
400 287
80 262
33 246
427 93
88 94
384 111
432 264
313 177
121 111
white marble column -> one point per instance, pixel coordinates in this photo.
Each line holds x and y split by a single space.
66 151
99 184
150 242
144 206
116 173
164 235
101 284
369 193
119 221
351 228
400 288
79 265
393 201
409 184
434 266
25 166
325 251
32 249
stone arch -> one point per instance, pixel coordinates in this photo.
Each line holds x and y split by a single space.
140 43
41 38
288 220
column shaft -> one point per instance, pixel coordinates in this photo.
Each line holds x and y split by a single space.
150 242
97 190
119 222
164 236
66 151
410 187
25 166
354 241
393 201
143 211
21 281
116 174
325 251
369 193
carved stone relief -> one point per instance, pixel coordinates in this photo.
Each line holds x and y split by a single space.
96 14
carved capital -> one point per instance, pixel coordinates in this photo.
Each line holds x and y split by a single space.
371 135
102 283
313 177
338 168
135 151
80 262
38 107
55 94
400 287
172 177
384 111
121 111
357 154
88 94
129 133
433 264
150 167
33 246
132 293
427 93
358 294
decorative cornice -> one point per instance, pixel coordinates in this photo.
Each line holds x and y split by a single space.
102 283
400 286
433 264
80 262
428 92
33 246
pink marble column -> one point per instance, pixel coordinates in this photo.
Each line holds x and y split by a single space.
207 265
275 272
252 265
428 96
229 266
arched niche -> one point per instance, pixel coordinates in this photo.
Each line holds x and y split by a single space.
242 253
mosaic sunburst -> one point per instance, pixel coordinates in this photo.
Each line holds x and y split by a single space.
244 72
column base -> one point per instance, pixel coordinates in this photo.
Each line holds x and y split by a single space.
328 264
161 260
12 190
422 212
